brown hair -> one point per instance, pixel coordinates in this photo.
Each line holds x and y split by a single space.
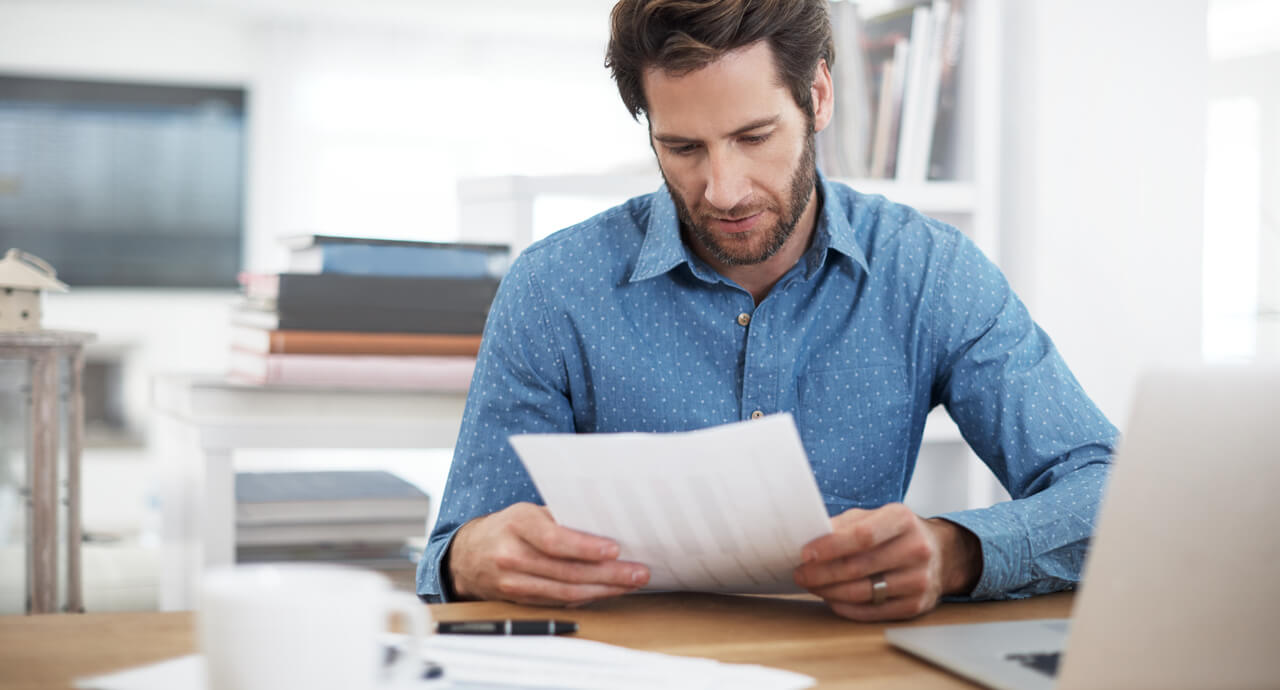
680 36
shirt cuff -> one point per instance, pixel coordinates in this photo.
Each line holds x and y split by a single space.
1006 556
433 587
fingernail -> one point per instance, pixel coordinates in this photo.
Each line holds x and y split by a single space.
809 556
637 576
609 551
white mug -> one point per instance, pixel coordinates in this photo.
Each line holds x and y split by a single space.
293 625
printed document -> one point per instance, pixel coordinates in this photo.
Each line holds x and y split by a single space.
723 509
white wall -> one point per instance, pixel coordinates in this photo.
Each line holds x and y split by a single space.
362 117
1104 181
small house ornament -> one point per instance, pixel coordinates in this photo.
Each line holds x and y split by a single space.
22 277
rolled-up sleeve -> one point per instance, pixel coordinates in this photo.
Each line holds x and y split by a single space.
519 386
1025 415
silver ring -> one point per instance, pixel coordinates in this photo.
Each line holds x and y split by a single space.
879 589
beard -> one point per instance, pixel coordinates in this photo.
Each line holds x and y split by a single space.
758 246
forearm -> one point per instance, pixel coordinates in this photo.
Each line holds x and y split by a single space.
1036 544
961 553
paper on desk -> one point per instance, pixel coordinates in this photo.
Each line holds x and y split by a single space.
573 664
512 662
723 509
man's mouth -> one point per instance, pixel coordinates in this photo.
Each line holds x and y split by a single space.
737 225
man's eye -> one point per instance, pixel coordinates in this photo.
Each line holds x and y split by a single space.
755 139
683 150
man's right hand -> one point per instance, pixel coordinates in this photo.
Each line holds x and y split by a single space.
520 554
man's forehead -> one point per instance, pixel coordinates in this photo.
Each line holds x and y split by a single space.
739 87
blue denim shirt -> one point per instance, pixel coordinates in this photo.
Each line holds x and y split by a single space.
615 325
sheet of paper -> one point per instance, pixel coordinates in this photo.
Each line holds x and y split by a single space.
482 661
571 664
723 509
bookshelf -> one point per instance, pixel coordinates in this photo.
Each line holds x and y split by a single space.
523 209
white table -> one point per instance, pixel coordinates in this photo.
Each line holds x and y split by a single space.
201 421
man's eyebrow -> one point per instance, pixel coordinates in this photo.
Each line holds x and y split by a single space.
754 124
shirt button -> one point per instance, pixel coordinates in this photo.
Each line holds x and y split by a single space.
744 318
757 414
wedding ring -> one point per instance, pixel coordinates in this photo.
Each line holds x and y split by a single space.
879 590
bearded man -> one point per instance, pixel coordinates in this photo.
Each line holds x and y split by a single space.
748 285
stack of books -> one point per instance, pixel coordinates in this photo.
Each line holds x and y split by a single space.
367 313
896 78
363 518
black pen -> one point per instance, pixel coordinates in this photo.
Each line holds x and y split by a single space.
507 627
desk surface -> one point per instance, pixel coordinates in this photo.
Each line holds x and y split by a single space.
801 635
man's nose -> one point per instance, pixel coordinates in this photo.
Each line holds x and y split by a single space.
727 184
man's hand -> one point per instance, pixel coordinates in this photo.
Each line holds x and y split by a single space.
920 561
520 554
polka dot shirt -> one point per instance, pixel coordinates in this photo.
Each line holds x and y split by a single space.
615 325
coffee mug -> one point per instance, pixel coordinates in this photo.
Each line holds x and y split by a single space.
312 626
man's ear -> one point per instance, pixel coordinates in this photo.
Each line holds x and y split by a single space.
823 94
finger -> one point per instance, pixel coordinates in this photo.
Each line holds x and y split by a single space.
611 572
905 550
900 608
541 532
853 532
910 582
523 588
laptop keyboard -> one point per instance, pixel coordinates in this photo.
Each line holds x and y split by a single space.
1046 663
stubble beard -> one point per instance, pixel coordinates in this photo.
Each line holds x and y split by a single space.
750 252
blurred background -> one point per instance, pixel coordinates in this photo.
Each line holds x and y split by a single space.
1113 156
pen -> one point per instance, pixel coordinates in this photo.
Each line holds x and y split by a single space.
507 627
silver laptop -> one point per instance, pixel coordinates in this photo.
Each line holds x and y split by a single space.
1182 584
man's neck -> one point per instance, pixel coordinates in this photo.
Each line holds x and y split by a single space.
759 279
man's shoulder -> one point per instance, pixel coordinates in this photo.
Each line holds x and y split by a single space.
884 228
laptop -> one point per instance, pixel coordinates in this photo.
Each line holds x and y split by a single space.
1181 587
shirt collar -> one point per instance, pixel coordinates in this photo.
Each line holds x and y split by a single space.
663 249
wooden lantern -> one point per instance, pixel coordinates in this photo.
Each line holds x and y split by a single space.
22 279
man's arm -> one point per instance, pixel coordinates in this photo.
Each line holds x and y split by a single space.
1025 415
489 540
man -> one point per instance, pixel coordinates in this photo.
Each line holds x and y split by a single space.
750 285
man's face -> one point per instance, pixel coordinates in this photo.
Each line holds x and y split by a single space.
736 152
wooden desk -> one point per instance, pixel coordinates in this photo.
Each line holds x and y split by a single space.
799 635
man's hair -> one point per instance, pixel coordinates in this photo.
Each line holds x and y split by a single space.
680 36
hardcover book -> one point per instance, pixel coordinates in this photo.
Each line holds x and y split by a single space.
264 498
387 257
267 341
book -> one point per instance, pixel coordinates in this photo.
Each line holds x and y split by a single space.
377 304
943 154
359 319
329 532
885 45
424 372
312 291
327 496
388 555
353 343
388 257
889 111
914 97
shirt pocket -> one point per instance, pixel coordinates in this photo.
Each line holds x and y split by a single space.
854 424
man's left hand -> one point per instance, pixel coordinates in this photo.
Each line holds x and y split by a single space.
919 561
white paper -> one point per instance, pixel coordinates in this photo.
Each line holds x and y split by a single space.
562 662
482 661
723 509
